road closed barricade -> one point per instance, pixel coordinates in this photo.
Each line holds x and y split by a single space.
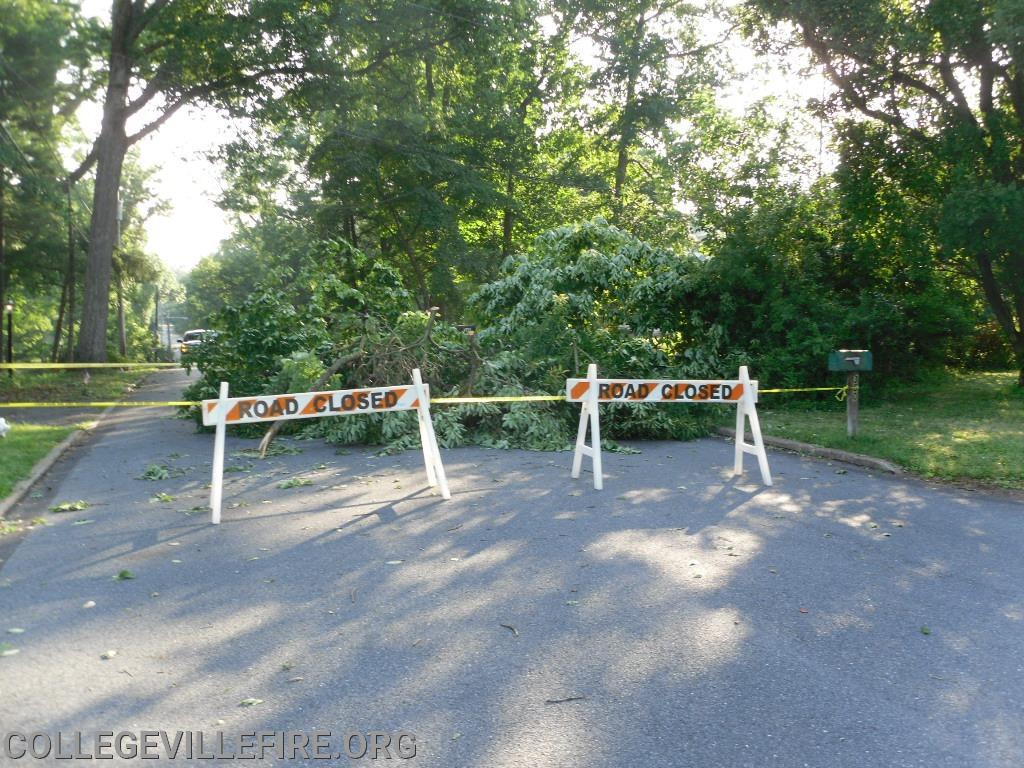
226 411
592 391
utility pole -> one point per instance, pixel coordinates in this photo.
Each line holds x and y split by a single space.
70 352
156 320
3 246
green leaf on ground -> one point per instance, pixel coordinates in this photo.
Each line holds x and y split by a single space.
155 472
163 497
71 506
294 482
124 575
276 449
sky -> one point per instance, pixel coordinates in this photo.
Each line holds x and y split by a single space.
193 226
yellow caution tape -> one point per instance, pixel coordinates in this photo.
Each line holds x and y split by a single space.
68 366
118 404
841 393
496 399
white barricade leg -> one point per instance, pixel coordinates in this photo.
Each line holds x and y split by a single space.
741 428
595 432
428 459
442 478
589 412
747 409
581 440
431 452
760 452
217 481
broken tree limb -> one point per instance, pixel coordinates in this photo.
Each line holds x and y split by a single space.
339 363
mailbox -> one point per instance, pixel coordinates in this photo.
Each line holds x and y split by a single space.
850 360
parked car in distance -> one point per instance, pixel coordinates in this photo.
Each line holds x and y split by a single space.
193 339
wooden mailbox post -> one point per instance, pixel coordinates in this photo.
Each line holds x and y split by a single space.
852 362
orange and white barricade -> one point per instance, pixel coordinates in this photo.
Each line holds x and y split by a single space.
591 391
226 411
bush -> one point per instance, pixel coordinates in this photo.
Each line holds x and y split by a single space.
588 293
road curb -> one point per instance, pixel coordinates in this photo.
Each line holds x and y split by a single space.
44 464
833 454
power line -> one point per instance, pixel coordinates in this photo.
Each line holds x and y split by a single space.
32 171
56 155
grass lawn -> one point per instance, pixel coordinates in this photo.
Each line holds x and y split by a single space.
24 445
63 386
961 427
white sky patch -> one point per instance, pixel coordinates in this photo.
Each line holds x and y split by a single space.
194 227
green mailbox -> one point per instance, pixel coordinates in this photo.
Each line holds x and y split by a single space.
850 360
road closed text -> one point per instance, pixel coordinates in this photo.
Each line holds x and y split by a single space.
304 405
658 391
335 402
319 404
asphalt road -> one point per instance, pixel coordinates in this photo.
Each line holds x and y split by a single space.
678 618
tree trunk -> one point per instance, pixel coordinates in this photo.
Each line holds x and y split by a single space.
621 166
418 276
1002 309
59 328
627 129
110 151
625 138
69 348
428 76
69 281
350 227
